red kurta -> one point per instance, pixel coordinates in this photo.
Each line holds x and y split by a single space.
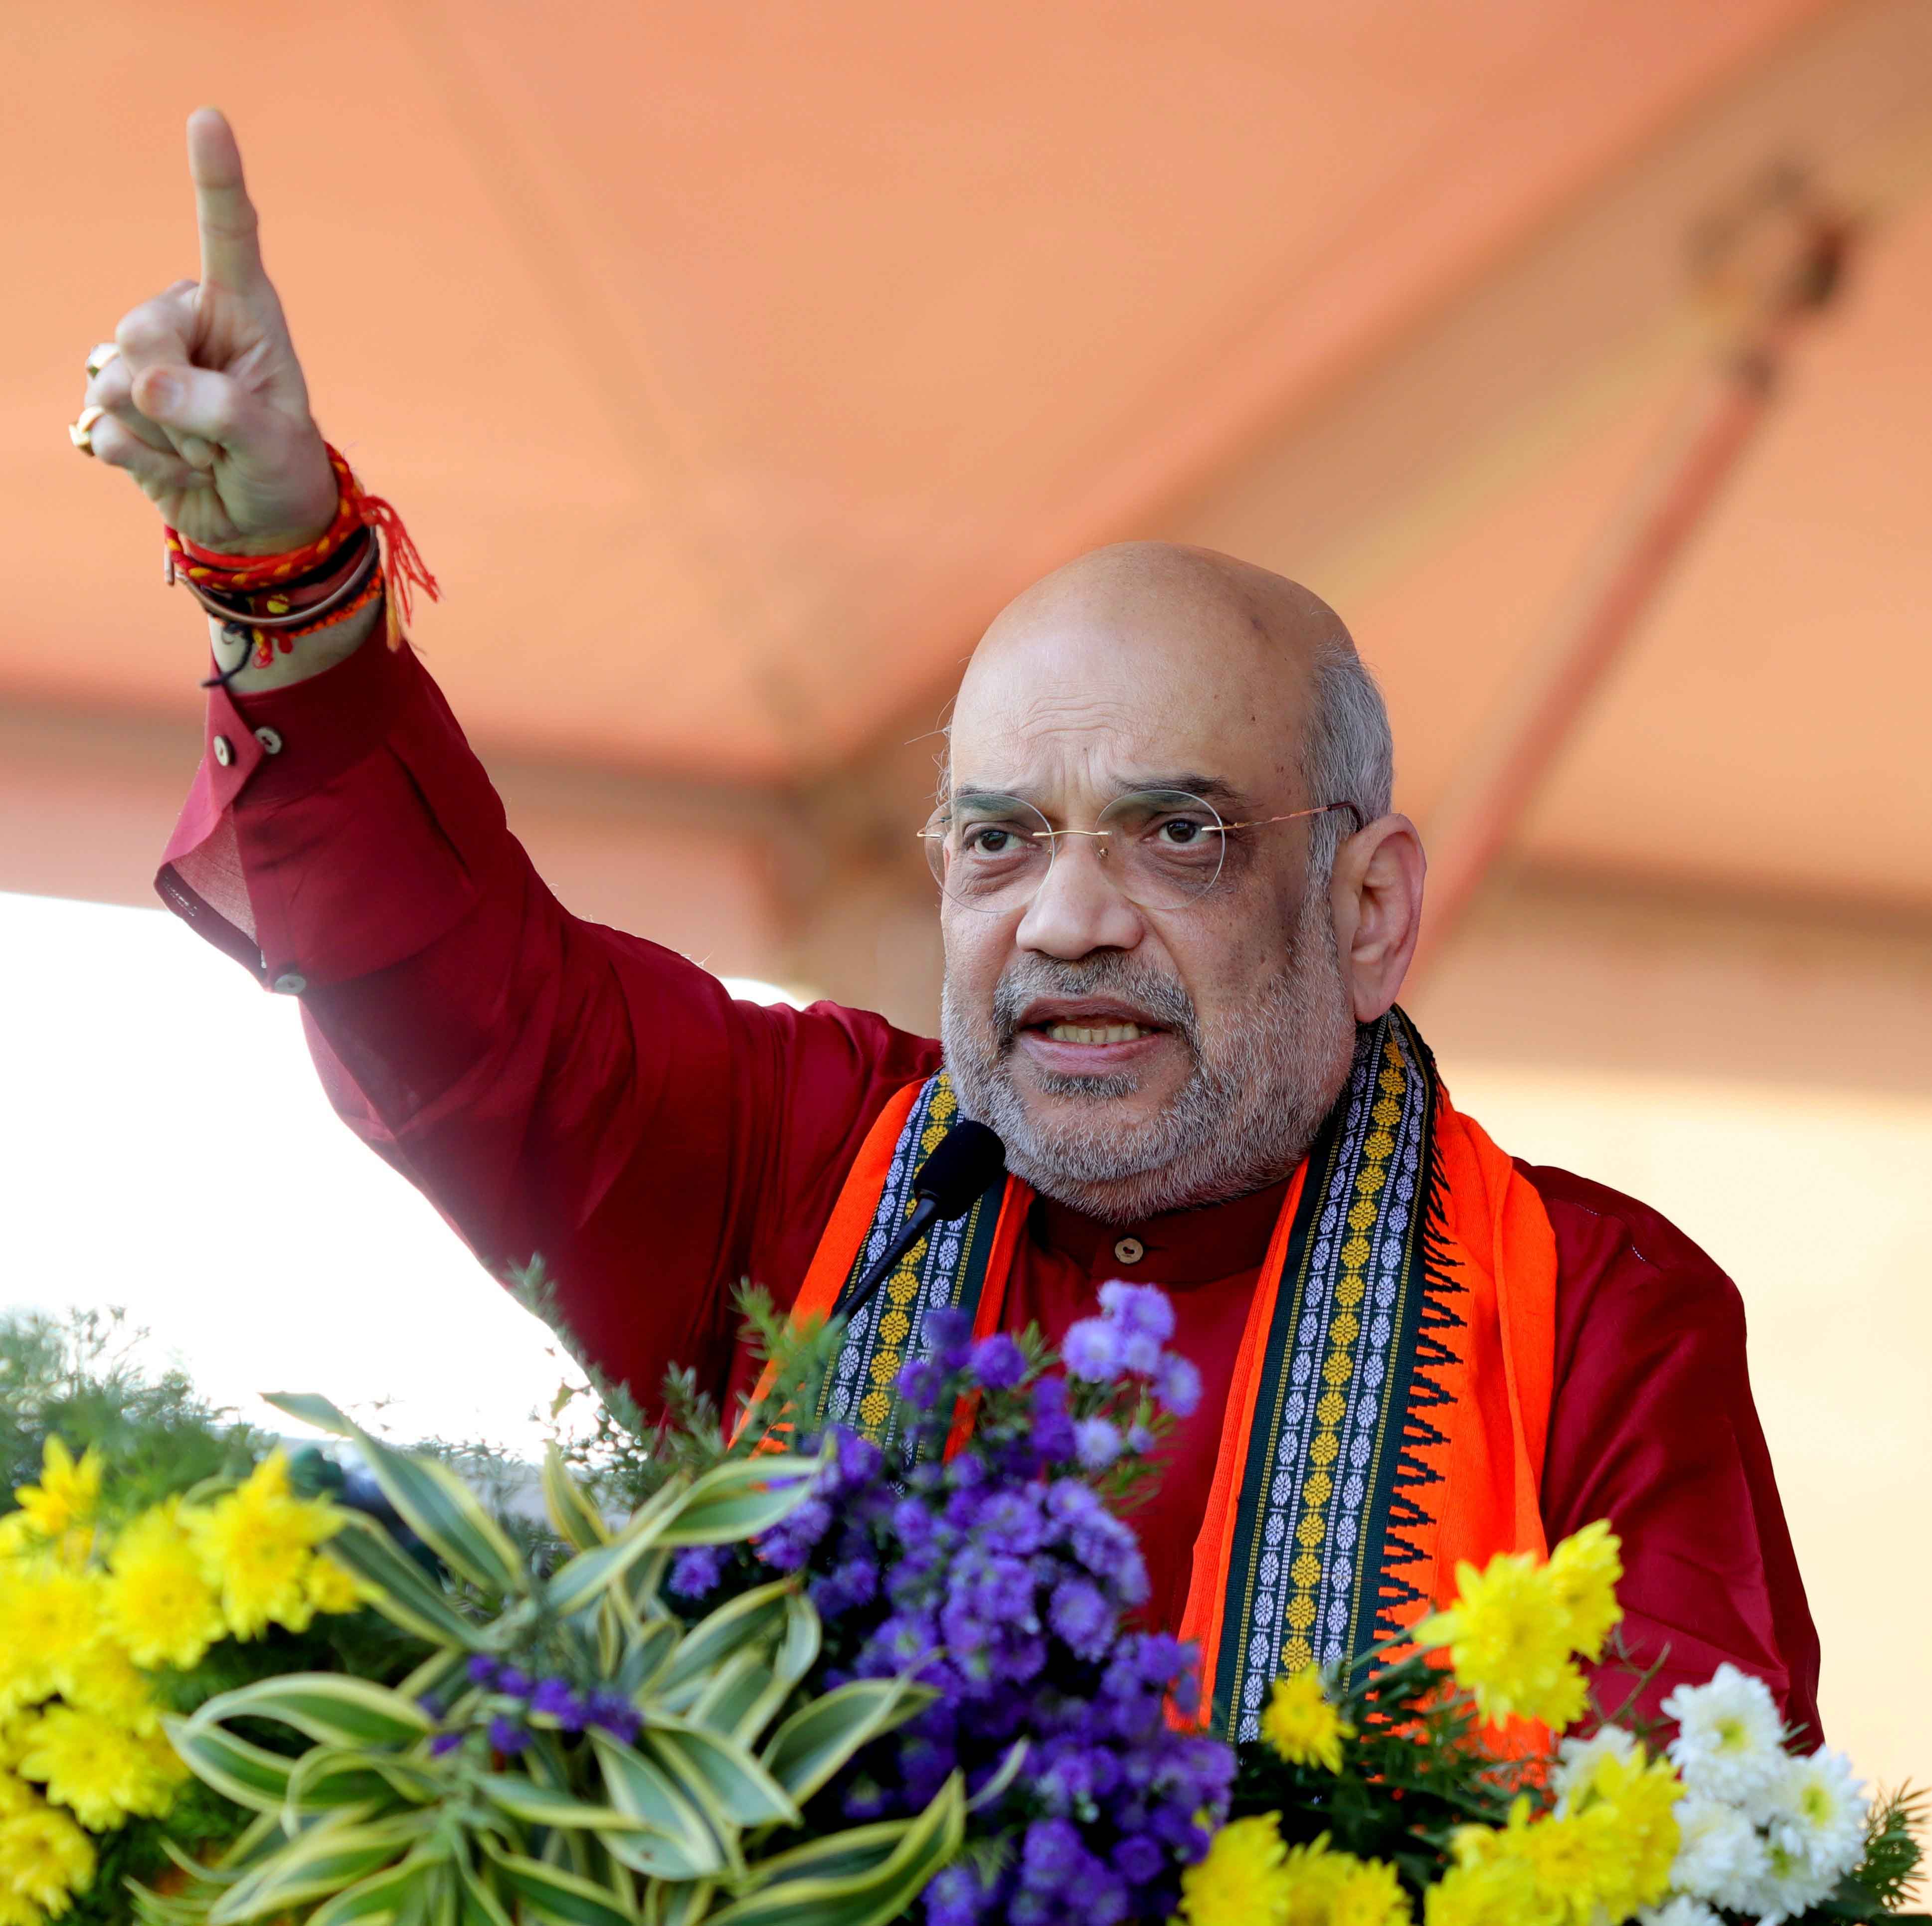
556 1087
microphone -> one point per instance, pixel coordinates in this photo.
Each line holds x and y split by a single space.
968 1161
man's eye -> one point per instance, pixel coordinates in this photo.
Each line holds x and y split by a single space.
1178 832
989 839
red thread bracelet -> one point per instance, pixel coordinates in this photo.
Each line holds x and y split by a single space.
265 585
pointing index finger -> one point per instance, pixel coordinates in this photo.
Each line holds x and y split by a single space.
231 255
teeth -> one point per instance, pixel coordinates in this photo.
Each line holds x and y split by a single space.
1100 1033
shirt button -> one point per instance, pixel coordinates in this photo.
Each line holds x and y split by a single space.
1130 1250
271 739
290 984
224 751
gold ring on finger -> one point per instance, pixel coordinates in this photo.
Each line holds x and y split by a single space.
81 433
101 356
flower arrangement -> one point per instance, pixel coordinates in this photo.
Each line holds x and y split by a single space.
773 1671
1400 1790
122 1597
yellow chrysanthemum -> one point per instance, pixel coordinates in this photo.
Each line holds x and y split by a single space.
1509 1642
157 1599
104 1680
100 1770
18 1538
1302 1725
256 1547
1633 1805
1492 1892
1584 1571
17 1910
45 1859
50 1614
16 1794
1330 1888
332 1587
68 1494
1242 1881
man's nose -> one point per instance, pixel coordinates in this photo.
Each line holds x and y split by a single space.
1079 910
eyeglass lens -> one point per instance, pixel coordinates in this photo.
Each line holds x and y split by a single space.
1162 848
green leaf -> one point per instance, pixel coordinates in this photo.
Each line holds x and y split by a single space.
544 1805
481 1906
799 1646
994 1789
735 1693
437 1505
564 1899
685 1846
752 1617
320 1862
650 1647
873 1896
338 1775
819 1738
327 1706
577 1521
739 1498
838 1855
377 1899
678 1902
405 1594
574 1585
748 1794
237 1770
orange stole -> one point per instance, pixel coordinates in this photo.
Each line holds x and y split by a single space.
1419 1273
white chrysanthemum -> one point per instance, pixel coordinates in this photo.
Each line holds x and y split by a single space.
1578 1758
1720 1856
1818 1814
1680 1911
1790 1886
1729 1742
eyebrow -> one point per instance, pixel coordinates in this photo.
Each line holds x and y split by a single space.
1214 789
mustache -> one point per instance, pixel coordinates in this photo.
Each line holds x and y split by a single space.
1110 972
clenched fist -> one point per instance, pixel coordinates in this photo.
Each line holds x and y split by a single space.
204 405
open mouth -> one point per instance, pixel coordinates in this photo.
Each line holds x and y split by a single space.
1067 1029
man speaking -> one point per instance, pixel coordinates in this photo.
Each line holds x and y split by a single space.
1177 910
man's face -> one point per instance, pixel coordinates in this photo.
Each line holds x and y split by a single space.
1139 1058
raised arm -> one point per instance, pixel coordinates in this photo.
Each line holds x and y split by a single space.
555 1087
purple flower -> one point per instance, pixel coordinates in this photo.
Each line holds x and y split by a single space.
1081 1618
948 1338
998 1363
1052 1429
1138 1860
1092 1350
516 1684
553 1696
955 1898
483 1671
849 1586
1140 1354
1176 1384
507 1737
859 1459
920 1384
1097 1443
697 1570
791 1541
444 1744
1141 1310
1140 1440
615 1713
1052 1857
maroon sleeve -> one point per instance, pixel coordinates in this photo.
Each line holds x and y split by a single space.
556 1088
1651 1426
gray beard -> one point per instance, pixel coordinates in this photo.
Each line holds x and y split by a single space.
1260 1089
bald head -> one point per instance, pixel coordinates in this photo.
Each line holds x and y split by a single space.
1167 651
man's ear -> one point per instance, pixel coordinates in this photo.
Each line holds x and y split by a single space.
1376 894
